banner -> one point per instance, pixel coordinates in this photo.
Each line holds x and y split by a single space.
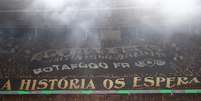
97 83
128 67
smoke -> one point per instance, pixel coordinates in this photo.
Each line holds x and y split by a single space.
168 16
81 16
84 17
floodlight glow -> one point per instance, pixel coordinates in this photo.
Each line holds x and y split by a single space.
53 4
178 8
146 3
149 2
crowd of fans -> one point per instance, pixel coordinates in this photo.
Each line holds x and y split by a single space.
17 47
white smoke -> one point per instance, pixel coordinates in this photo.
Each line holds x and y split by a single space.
85 16
80 15
169 16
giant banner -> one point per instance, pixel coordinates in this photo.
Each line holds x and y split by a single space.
137 66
